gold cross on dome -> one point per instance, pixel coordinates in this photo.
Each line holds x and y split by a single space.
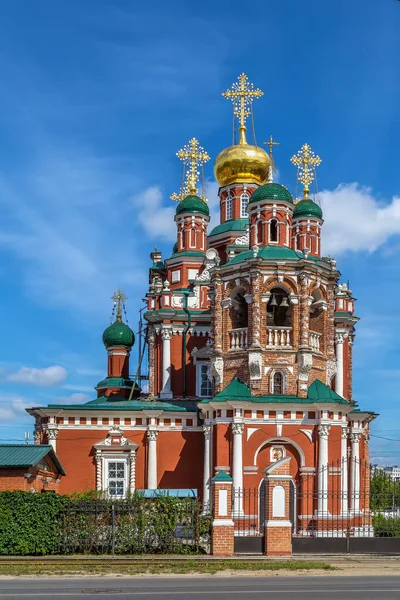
181 195
271 145
119 299
242 94
306 162
193 156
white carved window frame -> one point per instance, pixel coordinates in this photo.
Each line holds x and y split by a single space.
106 459
273 449
283 372
201 366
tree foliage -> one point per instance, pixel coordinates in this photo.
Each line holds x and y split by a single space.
37 524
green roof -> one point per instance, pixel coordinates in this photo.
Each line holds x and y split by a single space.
175 248
222 476
272 253
158 266
18 455
118 334
235 390
238 390
188 253
319 392
193 204
114 382
307 208
271 191
120 403
231 225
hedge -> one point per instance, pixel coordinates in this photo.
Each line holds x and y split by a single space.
38 524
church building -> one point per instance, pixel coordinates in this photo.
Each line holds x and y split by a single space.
249 335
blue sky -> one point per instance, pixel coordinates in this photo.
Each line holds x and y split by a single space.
95 99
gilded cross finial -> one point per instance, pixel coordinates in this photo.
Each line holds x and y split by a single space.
193 157
242 94
119 299
306 162
271 145
181 195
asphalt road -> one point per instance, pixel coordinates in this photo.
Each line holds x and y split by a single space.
199 588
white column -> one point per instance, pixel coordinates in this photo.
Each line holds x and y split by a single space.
99 482
132 472
152 459
207 468
166 335
339 340
237 468
355 471
323 432
52 437
345 502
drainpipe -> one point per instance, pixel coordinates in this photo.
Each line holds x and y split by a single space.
186 294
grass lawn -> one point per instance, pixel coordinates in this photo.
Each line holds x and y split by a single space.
154 567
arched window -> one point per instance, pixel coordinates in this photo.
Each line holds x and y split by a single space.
273 230
279 309
259 232
244 200
277 384
228 208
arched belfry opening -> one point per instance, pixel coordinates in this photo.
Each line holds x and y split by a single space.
279 310
273 231
239 310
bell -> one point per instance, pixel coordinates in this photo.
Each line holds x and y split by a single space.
273 300
284 302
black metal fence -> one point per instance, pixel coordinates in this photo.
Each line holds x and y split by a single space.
346 499
248 509
134 526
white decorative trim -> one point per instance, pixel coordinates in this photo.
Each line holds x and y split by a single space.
250 431
308 433
223 523
282 523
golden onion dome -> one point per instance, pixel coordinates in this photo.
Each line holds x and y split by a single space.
242 163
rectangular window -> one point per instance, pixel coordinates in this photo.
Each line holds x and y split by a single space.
116 475
204 387
244 200
228 208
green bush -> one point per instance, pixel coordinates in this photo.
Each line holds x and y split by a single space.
39 524
29 523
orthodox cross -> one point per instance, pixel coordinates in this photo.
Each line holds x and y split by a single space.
306 162
183 192
242 95
193 157
119 299
271 144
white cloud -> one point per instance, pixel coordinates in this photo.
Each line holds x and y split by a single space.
355 220
157 220
47 377
78 388
73 399
13 407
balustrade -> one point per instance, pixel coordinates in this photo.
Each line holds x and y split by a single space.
238 338
315 341
279 337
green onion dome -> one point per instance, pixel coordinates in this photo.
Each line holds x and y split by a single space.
118 334
193 204
175 248
307 208
271 191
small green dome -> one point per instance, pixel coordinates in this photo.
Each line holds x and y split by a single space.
271 191
191 204
118 334
307 208
175 248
